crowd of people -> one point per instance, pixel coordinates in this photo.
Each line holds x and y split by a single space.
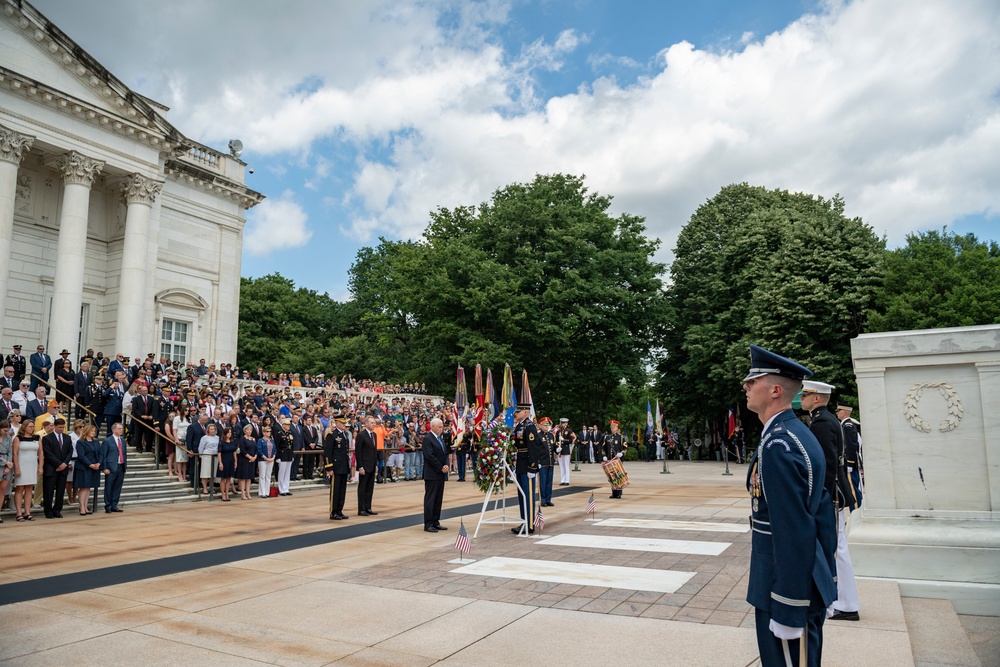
192 415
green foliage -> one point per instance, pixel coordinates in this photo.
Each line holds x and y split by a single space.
787 271
632 453
541 277
939 279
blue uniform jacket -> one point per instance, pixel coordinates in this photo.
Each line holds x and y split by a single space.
794 537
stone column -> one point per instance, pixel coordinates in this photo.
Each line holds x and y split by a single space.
140 192
78 172
13 145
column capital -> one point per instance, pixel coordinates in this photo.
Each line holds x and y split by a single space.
78 168
13 145
138 189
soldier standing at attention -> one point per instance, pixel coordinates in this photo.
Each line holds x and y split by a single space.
615 444
565 441
546 469
529 454
336 452
794 536
827 429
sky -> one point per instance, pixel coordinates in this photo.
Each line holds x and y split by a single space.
359 118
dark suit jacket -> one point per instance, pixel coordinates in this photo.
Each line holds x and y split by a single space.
33 409
193 437
366 451
38 362
4 411
11 382
56 450
113 401
81 381
435 456
109 453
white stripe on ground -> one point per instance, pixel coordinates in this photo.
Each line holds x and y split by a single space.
702 526
581 574
636 544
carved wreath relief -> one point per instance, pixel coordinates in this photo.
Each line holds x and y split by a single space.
912 400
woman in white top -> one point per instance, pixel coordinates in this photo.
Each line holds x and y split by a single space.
208 448
27 456
180 428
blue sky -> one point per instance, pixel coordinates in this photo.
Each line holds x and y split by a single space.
359 118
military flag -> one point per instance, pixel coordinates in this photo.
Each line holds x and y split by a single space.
461 406
491 397
479 416
526 392
659 419
649 419
509 398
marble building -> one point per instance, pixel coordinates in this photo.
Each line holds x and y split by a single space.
117 232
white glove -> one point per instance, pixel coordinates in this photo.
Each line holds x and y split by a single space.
783 631
620 454
558 450
605 458
531 475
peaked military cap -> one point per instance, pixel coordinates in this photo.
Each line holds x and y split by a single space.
764 362
813 387
524 406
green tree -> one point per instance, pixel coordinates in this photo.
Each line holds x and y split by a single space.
784 270
540 276
939 279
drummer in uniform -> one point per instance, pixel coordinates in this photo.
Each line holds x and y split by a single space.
615 445
337 454
530 453
794 536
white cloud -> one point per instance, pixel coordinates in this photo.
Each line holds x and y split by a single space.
892 104
276 224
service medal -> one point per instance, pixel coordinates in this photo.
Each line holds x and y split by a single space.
755 505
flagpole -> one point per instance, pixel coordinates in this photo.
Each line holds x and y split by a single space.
725 455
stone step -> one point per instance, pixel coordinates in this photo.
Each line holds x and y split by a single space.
936 634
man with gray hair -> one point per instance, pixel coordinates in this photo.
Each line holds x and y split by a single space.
435 475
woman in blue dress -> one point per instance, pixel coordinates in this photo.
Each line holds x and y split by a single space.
227 462
86 472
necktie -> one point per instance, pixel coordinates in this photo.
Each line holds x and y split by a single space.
121 456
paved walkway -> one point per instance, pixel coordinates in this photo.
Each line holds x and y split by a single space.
273 581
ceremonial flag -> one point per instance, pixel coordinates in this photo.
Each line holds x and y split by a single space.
731 424
491 397
509 398
526 392
539 521
461 405
462 541
591 505
649 419
659 419
480 413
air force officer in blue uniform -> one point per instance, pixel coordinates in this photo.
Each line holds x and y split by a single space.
794 534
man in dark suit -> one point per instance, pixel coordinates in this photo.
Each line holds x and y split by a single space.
81 381
113 459
435 475
117 364
41 364
195 433
57 451
6 402
366 454
36 407
142 416
792 568
298 444
7 378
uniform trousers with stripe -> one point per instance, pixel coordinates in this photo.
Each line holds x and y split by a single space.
338 494
847 587
776 652
527 505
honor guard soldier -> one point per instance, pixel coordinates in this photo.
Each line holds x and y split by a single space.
615 444
18 363
337 452
285 442
793 536
827 429
530 452
546 466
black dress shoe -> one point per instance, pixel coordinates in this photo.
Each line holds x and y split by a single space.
372 513
107 511
430 529
440 527
362 513
342 517
58 516
335 517
115 509
50 516
846 616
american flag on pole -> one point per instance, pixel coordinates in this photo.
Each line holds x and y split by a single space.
591 505
539 521
462 542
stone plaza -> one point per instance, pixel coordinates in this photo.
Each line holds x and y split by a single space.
273 581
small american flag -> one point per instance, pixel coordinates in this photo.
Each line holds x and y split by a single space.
539 521
462 542
591 505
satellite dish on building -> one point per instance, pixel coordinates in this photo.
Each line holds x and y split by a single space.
235 147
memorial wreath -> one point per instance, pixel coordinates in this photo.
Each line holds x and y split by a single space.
495 456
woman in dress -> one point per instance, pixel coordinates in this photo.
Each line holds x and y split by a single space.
180 426
169 443
27 469
65 376
208 447
227 462
246 462
86 472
